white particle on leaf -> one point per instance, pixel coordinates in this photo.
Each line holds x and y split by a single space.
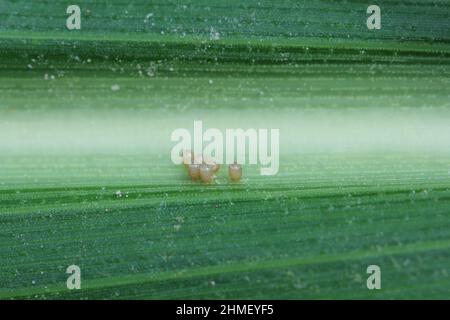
148 16
213 34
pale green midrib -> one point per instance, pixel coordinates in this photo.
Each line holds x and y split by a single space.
237 267
154 197
144 201
338 43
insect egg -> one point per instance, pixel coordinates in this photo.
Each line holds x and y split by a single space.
194 171
235 172
188 158
206 173
215 166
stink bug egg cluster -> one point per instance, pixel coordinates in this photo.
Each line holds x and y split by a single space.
205 169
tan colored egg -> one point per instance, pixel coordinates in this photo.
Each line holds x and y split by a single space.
198 159
216 167
235 172
210 162
194 171
206 173
188 158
